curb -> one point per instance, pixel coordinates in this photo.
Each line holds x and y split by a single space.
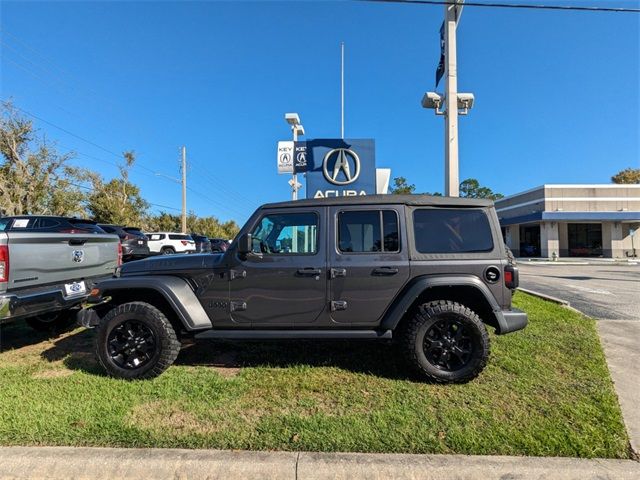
109 463
549 298
544 296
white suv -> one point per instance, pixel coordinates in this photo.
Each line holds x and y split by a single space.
168 243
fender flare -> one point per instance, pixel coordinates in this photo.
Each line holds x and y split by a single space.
414 289
175 290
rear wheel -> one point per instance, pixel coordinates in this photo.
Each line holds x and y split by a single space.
445 342
58 320
136 340
168 251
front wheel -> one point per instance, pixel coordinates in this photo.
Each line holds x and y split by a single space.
445 342
135 341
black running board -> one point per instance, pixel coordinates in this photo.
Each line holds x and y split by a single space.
295 334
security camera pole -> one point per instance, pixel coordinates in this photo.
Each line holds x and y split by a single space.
451 173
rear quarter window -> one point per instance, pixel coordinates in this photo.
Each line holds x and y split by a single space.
452 231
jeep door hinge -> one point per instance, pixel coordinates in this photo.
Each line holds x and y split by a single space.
337 305
233 274
238 306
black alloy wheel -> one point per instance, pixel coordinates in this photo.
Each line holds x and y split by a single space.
131 345
444 342
448 344
136 340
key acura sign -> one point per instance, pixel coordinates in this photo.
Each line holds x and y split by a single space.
337 168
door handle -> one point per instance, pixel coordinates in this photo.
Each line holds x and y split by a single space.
338 272
309 272
78 241
381 271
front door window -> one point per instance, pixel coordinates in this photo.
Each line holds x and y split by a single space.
286 234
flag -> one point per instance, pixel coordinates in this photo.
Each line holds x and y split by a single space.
440 69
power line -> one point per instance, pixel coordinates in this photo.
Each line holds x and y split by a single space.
91 189
578 8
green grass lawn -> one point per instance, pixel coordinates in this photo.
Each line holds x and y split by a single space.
546 391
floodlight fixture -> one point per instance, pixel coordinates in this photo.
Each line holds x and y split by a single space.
433 100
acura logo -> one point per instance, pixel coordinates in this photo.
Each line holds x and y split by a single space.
78 256
345 166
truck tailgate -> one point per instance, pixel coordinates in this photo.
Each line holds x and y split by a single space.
44 258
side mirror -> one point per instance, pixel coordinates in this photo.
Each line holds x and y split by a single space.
245 244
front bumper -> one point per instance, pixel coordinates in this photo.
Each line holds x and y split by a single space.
510 320
32 302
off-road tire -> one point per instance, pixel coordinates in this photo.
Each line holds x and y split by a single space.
166 345
57 321
412 332
168 251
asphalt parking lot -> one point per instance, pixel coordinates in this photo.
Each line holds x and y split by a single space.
604 292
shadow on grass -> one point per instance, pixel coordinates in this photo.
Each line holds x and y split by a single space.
370 357
229 357
18 334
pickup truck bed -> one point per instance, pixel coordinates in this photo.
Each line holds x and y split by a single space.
47 272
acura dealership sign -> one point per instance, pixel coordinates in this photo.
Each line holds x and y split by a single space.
337 167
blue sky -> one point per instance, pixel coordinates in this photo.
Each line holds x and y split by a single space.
556 92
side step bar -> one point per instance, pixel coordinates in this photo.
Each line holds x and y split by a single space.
295 334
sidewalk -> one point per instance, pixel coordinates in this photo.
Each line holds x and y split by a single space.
578 261
114 463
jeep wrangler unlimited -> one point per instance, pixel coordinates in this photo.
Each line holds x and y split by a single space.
429 272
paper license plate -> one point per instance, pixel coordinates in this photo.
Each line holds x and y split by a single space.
140 242
75 288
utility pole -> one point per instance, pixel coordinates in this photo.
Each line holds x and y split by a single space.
184 189
451 170
342 90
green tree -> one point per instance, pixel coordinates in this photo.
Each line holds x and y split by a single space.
117 201
401 187
34 177
470 188
628 175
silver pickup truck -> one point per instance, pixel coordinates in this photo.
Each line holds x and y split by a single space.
45 274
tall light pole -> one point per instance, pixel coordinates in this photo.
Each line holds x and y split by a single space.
452 100
184 189
293 119
451 175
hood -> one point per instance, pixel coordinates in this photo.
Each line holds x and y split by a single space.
172 263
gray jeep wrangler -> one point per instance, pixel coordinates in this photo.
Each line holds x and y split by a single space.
429 272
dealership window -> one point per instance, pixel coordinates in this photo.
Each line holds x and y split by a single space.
286 234
452 231
368 231
585 239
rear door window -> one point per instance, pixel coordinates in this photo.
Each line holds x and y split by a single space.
173 236
452 231
368 231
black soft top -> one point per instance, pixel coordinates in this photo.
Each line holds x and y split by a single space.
418 200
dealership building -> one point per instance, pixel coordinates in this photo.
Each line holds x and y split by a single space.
572 221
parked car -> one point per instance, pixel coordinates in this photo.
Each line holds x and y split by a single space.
203 245
167 243
48 223
48 266
133 241
428 272
219 244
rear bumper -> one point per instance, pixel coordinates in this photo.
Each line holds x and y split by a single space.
135 250
511 320
14 306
